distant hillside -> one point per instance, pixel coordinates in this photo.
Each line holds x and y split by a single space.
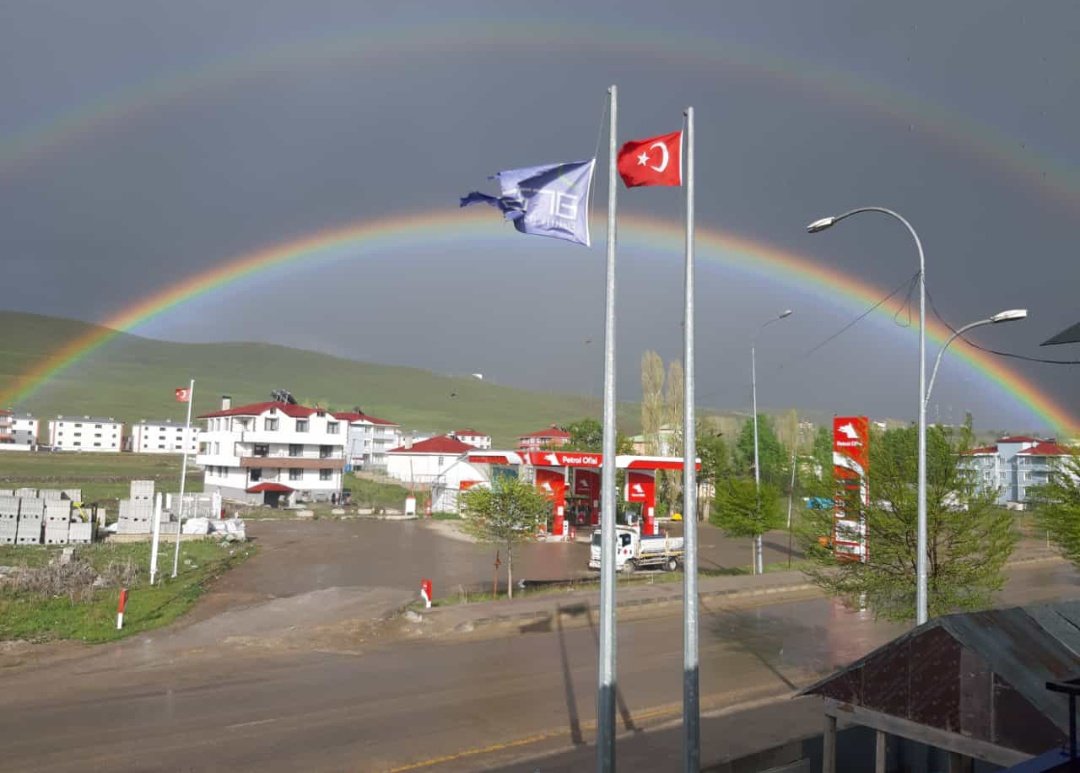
133 378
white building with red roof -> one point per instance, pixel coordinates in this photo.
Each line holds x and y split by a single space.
472 437
545 439
439 464
272 453
368 439
1014 464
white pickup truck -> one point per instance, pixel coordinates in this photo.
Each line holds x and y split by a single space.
632 551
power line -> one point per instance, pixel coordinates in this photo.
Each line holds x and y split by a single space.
909 283
1012 355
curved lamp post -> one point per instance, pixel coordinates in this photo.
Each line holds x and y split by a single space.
920 580
1002 316
759 561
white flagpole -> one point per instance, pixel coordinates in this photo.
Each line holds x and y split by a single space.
605 699
183 477
691 698
156 529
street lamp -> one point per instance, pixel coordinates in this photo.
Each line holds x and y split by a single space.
1002 316
759 561
920 579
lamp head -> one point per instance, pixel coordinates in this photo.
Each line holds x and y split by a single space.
820 225
1009 315
784 313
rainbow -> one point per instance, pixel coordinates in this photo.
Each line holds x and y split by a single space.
1052 177
376 238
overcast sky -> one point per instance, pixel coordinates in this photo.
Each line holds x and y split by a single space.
144 142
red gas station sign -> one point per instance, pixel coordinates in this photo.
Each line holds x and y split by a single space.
851 464
563 459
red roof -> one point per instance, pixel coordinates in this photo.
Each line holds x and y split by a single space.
351 416
442 444
259 488
1018 439
1047 448
255 409
549 432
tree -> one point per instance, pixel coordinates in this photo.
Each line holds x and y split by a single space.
588 435
509 512
652 400
773 457
741 510
969 539
1057 507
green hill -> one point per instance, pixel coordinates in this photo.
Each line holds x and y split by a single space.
132 378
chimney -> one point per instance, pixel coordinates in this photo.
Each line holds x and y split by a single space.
226 402
408 441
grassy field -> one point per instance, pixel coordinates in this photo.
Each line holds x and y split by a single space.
132 378
103 478
91 617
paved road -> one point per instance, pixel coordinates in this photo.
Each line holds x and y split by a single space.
157 703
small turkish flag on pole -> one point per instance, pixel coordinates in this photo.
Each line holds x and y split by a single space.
653 161
183 394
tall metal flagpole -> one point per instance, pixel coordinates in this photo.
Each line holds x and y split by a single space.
691 704
183 476
605 699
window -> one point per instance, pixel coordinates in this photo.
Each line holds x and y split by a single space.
301 425
261 449
295 449
295 474
325 451
270 425
331 428
325 474
256 474
440 462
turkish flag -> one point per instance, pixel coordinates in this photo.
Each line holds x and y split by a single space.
183 394
654 161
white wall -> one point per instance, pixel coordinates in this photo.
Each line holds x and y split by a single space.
85 435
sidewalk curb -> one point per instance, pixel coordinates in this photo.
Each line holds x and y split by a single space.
579 607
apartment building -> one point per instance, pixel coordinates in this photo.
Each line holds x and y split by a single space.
552 437
272 453
164 437
86 433
472 437
1015 464
18 431
368 439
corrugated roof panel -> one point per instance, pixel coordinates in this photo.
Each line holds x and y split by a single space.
1062 621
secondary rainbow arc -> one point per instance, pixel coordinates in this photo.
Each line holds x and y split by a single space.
1052 176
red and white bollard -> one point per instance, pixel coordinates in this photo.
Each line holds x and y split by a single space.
120 608
426 592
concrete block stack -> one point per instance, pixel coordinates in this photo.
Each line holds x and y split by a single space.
9 519
25 493
50 493
31 516
81 533
137 512
74 494
57 520
7 492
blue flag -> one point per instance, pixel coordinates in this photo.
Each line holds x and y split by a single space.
551 200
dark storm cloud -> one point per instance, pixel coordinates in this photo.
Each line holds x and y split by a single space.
960 116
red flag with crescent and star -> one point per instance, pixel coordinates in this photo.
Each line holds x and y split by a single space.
183 394
653 161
